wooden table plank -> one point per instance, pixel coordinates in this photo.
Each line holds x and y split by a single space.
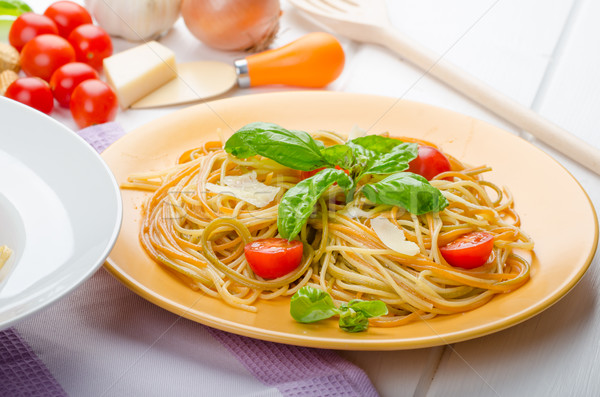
556 352
506 44
399 374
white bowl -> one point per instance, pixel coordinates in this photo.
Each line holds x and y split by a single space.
60 210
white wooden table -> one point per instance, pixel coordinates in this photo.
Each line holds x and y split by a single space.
544 54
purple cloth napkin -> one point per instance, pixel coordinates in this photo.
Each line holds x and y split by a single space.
294 371
102 136
297 371
22 373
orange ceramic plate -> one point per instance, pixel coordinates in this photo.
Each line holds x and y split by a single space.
554 208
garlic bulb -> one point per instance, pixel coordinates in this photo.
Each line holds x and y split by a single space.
135 20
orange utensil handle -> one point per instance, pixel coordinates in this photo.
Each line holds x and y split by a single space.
314 60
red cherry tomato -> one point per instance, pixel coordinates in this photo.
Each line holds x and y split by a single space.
469 251
429 163
27 26
273 257
307 174
43 54
67 16
92 44
32 91
93 102
67 77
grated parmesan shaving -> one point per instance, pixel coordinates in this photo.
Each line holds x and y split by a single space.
246 188
392 237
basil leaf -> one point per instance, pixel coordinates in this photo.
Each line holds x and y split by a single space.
353 321
14 7
407 190
298 202
354 316
294 149
376 143
341 155
395 161
382 155
310 304
370 309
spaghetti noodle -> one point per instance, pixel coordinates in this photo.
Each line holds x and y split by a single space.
200 235
5 254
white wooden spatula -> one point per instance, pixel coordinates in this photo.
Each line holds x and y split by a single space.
367 21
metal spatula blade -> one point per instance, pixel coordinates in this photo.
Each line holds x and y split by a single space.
195 81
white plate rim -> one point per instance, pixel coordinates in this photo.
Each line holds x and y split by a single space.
22 307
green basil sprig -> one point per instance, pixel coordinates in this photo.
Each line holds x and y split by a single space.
340 155
310 304
382 155
408 190
14 7
294 149
298 202
368 155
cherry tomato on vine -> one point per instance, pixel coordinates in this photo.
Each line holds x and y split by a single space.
67 16
43 54
32 91
469 251
92 44
273 257
67 77
93 102
429 163
27 26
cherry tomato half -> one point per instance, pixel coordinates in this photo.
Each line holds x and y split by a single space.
43 54
92 44
469 251
307 174
67 77
27 26
67 16
273 257
32 91
429 163
93 102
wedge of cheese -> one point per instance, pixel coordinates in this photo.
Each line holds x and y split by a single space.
136 72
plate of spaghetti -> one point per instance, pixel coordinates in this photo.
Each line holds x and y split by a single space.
345 221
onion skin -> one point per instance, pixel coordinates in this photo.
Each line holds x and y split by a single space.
135 20
233 25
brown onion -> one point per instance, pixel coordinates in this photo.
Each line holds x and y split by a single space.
233 25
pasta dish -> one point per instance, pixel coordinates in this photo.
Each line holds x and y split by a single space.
368 217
